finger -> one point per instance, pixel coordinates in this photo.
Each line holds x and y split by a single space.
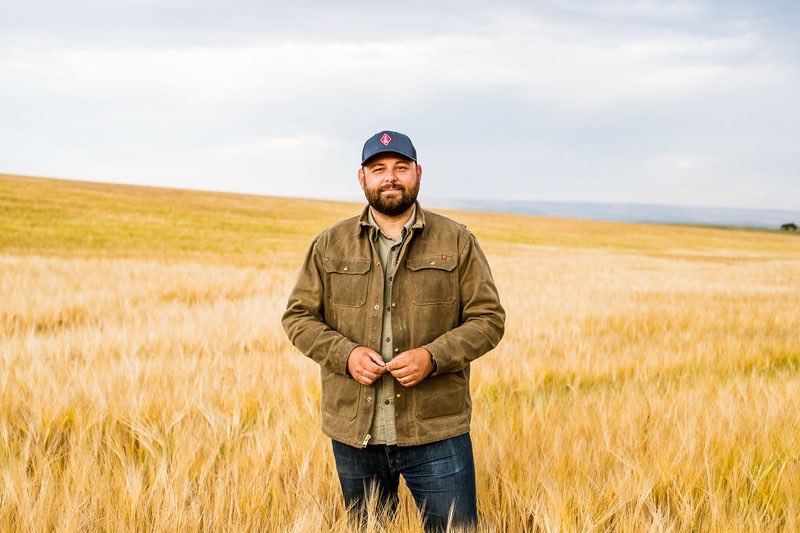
398 373
367 373
404 374
374 368
376 358
407 381
396 364
404 371
365 377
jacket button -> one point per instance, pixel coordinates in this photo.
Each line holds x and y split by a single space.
394 304
377 307
398 395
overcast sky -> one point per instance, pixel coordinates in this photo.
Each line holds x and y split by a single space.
690 103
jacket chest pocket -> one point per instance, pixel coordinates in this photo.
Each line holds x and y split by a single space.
433 279
349 281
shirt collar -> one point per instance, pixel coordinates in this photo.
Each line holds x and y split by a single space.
376 230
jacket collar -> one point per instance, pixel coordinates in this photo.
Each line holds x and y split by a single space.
364 225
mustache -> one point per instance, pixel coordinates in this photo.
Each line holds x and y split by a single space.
393 185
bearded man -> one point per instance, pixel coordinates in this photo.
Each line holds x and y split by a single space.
394 305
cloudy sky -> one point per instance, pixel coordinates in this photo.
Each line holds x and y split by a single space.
677 102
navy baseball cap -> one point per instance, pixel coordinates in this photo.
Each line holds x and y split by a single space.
388 141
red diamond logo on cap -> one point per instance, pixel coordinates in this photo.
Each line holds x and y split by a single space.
386 139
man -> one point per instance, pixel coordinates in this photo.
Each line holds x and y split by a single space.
394 305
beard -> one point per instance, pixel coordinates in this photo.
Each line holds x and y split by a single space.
394 205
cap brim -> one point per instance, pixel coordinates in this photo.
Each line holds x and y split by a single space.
384 152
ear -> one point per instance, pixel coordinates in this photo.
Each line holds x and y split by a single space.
361 176
419 171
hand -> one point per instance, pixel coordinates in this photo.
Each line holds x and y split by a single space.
365 365
411 367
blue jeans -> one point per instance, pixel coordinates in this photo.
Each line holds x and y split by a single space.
440 476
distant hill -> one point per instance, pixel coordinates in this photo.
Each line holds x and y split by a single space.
643 213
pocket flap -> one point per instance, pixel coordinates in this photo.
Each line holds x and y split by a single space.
440 262
346 266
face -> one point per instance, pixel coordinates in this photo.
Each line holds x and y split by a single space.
390 183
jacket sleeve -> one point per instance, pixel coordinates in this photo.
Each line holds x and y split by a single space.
482 320
304 321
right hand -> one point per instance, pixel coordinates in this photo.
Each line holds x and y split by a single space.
365 365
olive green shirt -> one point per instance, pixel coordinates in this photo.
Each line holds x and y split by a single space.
383 428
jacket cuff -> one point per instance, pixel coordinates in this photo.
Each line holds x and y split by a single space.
343 354
435 353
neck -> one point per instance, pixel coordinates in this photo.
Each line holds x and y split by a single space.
392 226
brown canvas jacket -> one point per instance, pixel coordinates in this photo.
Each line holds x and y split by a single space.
443 298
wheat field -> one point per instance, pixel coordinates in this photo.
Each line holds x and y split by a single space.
648 379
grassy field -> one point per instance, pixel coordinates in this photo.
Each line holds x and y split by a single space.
648 380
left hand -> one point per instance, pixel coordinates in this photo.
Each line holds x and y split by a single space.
411 367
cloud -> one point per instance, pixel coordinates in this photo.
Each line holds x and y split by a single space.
624 101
